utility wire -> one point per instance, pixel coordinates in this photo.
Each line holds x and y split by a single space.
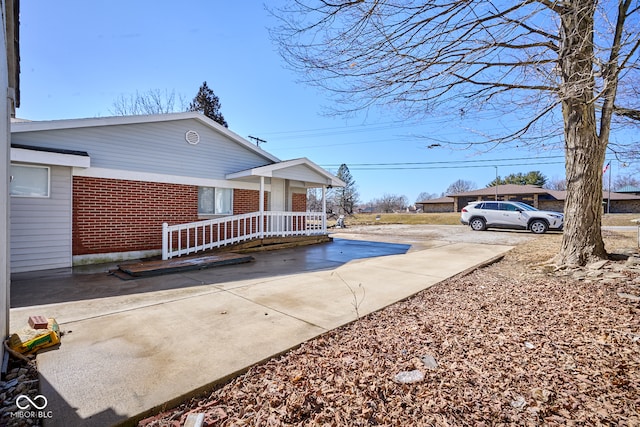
449 167
454 161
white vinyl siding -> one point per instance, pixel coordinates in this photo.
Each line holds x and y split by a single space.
299 173
41 227
158 148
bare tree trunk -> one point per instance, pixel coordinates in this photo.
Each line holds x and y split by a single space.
584 151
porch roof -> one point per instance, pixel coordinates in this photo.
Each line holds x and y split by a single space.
302 170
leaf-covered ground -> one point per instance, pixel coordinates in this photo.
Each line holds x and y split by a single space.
513 346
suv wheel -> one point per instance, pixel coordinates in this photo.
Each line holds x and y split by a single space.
478 224
538 226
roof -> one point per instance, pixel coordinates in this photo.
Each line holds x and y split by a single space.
49 156
51 150
510 189
628 189
18 126
438 200
316 174
515 189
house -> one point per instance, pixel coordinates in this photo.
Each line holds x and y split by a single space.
538 197
100 189
10 95
441 204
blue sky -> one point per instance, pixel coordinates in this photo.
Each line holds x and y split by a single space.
78 57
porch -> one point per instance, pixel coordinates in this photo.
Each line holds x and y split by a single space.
279 220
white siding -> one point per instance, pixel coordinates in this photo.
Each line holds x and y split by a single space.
41 227
158 147
299 173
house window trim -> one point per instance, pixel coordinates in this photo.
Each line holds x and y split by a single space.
208 215
47 196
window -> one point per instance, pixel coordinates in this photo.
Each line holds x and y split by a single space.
509 207
490 205
29 181
215 201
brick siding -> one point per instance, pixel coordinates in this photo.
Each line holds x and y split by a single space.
245 201
112 215
299 202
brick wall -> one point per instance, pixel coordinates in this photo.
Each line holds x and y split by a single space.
437 207
624 206
245 201
112 215
299 202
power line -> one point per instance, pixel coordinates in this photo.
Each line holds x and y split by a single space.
450 167
359 165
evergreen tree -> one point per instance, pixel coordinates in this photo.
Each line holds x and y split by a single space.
347 196
531 178
207 103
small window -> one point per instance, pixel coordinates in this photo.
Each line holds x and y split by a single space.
215 201
29 181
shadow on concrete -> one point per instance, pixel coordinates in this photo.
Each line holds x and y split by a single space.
77 284
58 412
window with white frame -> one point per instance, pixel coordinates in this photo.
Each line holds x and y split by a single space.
29 181
215 201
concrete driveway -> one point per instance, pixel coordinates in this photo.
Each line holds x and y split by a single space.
132 347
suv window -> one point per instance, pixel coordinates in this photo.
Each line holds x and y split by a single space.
490 205
509 207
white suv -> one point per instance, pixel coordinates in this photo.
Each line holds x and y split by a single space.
515 215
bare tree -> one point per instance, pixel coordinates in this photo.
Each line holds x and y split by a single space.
460 186
389 203
154 101
425 195
556 183
625 181
567 68
314 200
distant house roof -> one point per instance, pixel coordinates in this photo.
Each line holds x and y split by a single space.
436 201
515 189
511 189
629 189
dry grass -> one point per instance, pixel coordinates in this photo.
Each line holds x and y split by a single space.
447 218
453 218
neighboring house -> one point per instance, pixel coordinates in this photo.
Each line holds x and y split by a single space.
10 96
441 204
100 189
538 197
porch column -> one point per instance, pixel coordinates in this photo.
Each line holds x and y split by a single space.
324 208
261 209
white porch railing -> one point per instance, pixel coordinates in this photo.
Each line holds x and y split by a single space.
184 239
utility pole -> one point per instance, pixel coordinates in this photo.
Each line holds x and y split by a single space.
497 182
257 140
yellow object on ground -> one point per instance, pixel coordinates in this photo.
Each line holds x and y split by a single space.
29 340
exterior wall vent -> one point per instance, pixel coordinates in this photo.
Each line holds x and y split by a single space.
192 137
